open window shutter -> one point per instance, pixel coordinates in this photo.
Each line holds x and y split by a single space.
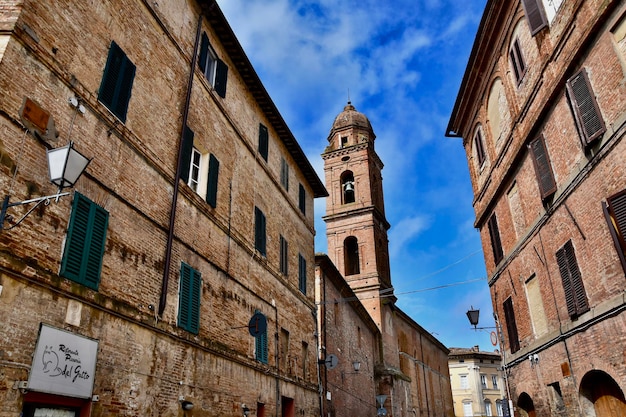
586 110
543 168
187 148
259 231
494 235
211 191
112 72
125 87
480 150
615 214
302 199
535 15
221 76
263 141
204 51
302 273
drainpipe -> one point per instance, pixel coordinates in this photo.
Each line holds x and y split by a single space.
170 235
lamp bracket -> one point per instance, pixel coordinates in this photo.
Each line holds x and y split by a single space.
46 200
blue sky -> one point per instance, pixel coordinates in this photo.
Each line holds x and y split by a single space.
401 63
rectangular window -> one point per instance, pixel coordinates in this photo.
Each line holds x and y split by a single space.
194 169
263 142
284 173
467 409
284 350
211 188
494 235
260 345
575 295
463 382
302 274
117 82
517 61
302 199
585 108
535 15
615 215
189 299
494 381
543 167
187 152
535 306
480 148
85 242
213 68
259 231
284 253
483 381
511 326
305 360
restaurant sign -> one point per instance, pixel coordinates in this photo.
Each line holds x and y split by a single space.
64 363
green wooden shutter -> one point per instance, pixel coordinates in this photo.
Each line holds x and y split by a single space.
543 168
586 111
117 82
211 191
284 255
260 345
186 149
221 76
259 231
85 242
189 299
302 199
204 52
263 141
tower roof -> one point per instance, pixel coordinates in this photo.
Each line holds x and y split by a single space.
350 117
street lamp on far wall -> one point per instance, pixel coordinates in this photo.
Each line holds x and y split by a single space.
65 166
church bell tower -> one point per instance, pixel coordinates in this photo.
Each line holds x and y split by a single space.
356 227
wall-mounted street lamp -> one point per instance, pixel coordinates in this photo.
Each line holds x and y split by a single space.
65 166
245 410
356 365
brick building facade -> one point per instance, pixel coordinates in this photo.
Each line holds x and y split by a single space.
411 369
191 227
542 114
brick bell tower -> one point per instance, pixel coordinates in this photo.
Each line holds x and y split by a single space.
356 227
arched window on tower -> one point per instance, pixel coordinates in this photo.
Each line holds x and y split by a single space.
351 256
347 187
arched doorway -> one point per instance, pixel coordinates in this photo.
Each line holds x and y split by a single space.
525 406
601 396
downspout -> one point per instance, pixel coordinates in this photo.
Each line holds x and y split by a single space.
170 235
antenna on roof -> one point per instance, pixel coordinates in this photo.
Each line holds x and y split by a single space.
349 101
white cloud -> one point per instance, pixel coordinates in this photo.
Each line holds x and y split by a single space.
406 230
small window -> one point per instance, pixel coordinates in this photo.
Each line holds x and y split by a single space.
284 253
263 142
494 235
511 325
615 215
535 15
284 174
575 295
344 141
543 168
189 299
585 108
213 68
517 61
85 242
302 199
483 381
187 152
260 346
117 82
194 170
463 382
259 231
488 410
302 274
480 148
494 381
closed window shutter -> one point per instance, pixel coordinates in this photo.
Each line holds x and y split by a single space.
480 149
260 346
543 168
615 215
85 243
302 273
302 199
117 82
263 141
586 111
535 15
259 231
284 174
511 325
189 299
221 76
211 192
575 296
284 251
494 235
186 150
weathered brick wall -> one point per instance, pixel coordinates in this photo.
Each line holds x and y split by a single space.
142 359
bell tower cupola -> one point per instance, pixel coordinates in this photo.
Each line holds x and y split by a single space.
356 227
